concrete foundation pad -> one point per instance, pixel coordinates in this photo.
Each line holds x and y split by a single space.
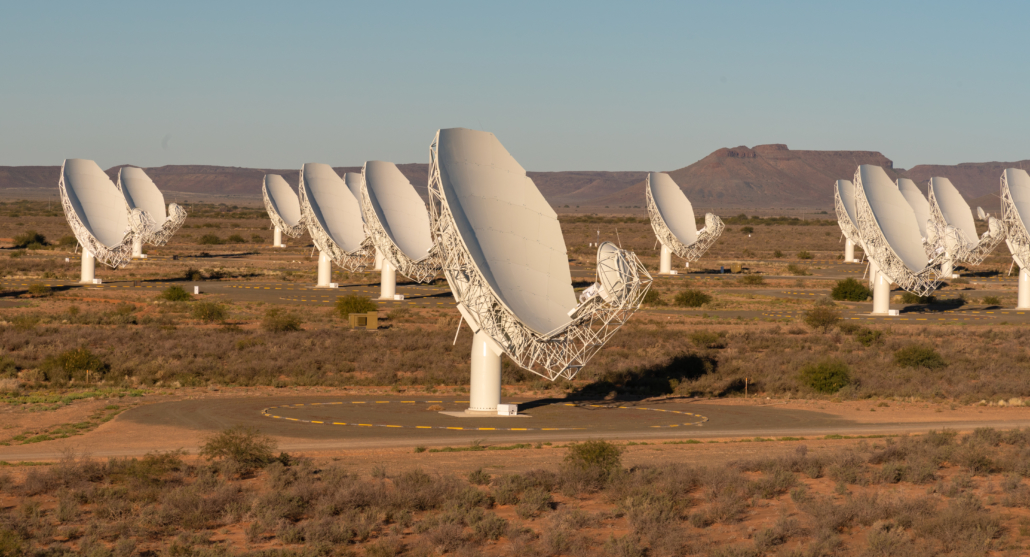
478 414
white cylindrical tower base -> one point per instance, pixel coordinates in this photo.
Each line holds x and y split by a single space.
665 267
88 267
325 271
277 238
485 390
388 281
849 251
379 260
137 247
1024 290
881 294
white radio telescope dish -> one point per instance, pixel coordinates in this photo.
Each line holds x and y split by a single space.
1015 214
844 205
333 218
919 205
672 218
397 222
283 208
96 213
891 239
949 209
504 256
141 193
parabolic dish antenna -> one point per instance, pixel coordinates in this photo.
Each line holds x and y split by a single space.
891 239
97 216
1015 214
844 204
141 193
919 205
397 222
949 209
333 217
283 208
505 259
354 183
672 218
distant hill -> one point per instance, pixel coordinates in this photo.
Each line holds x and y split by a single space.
973 179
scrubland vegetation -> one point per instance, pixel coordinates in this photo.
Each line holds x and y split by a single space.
934 494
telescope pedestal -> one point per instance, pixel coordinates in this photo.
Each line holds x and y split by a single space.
137 247
325 271
277 238
1023 300
387 281
849 251
485 390
665 268
379 260
881 288
88 267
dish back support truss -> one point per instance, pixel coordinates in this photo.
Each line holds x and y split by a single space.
423 270
163 226
847 225
706 237
1017 238
969 250
558 353
293 231
354 261
879 250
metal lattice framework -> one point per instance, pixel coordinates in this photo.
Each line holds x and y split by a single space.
355 261
706 237
848 227
159 235
968 250
423 270
114 257
1016 237
558 353
277 221
879 250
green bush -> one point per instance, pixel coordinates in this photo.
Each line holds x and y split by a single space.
40 290
209 312
256 238
804 255
708 339
176 294
992 300
692 298
910 298
826 376
822 316
346 305
652 298
594 455
235 239
79 364
746 229
798 270
277 321
868 337
917 355
210 239
241 446
850 290
30 240
67 241
751 280
193 274
777 254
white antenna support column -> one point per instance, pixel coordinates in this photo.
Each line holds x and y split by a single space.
849 251
388 281
137 247
881 287
277 238
665 267
1023 296
379 260
88 267
485 390
325 271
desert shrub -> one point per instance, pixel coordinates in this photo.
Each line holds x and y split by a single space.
277 320
209 239
241 446
910 298
707 339
30 239
193 274
823 316
798 270
594 462
850 290
692 298
40 290
490 528
346 305
7 367
235 239
751 280
804 255
747 229
777 254
209 312
992 300
868 337
256 238
917 355
479 477
653 298
67 241
176 294
79 364
826 376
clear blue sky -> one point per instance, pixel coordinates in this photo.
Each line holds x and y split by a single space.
565 86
